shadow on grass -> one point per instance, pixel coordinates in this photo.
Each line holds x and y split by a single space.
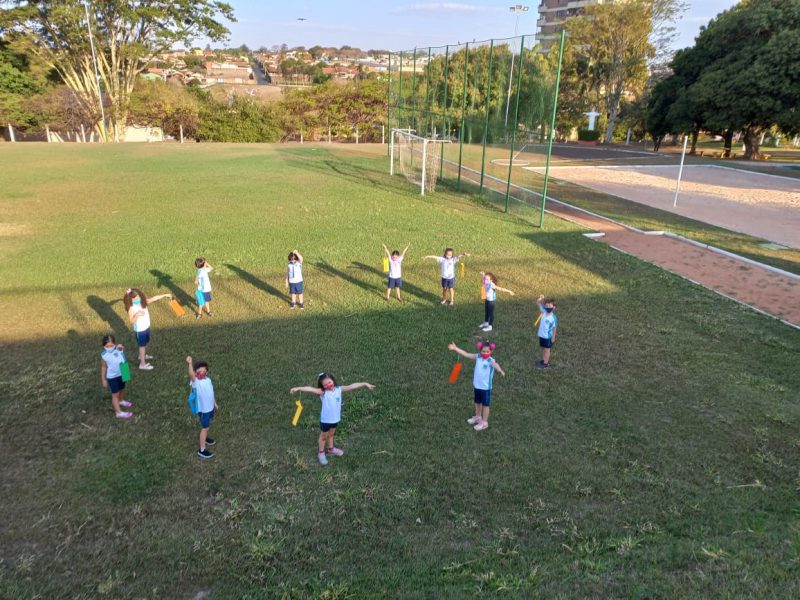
407 287
166 280
104 310
258 283
331 270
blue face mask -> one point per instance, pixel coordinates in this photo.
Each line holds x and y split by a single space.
548 309
137 302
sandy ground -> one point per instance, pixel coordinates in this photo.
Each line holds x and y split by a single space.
760 205
766 290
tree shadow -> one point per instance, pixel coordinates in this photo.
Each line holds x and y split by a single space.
408 288
105 311
258 283
166 280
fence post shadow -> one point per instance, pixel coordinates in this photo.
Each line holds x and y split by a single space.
258 283
408 288
166 280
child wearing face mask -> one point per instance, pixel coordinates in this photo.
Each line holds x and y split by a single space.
206 403
548 325
490 289
136 304
294 279
111 375
482 380
448 265
331 396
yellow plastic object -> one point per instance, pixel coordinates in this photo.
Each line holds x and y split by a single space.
176 308
461 269
385 264
483 292
539 318
297 412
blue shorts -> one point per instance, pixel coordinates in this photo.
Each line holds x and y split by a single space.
205 419
448 283
546 342
395 282
326 427
483 397
206 297
296 288
143 337
115 384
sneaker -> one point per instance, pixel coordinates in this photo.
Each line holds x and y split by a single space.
336 451
322 458
205 454
487 328
210 441
210 314
302 306
147 367
474 420
443 302
542 365
125 404
481 426
124 415
451 305
198 316
482 325
292 304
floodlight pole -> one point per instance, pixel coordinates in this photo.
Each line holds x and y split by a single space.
552 127
516 118
517 8
96 71
486 114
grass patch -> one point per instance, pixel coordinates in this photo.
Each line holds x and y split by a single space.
658 457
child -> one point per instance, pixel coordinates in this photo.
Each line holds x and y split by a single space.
331 396
547 329
490 288
395 271
111 376
294 279
203 283
206 403
136 304
448 263
485 367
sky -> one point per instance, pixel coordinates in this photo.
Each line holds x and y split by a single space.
403 25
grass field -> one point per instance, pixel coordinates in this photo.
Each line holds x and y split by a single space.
657 458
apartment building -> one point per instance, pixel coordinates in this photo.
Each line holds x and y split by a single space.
552 16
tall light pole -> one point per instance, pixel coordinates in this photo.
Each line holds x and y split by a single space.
96 71
516 9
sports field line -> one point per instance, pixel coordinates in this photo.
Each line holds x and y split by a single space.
685 166
592 149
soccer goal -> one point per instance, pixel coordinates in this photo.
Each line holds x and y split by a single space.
418 158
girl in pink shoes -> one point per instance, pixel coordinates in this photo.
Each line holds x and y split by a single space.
485 366
111 361
136 304
331 396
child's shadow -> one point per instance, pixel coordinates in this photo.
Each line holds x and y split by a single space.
105 311
407 287
331 270
257 283
165 280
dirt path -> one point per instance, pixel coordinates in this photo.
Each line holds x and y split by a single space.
764 289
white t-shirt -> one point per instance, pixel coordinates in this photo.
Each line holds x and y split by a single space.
491 292
448 266
142 323
484 373
113 359
547 325
205 394
203 280
396 267
331 406
295 272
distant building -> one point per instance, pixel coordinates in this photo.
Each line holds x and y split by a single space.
552 16
229 72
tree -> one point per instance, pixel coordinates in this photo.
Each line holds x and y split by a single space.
18 83
126 35
165 105
613 44
751 77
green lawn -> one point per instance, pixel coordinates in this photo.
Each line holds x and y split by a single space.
657 458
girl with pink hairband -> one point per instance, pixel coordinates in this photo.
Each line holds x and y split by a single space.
482 379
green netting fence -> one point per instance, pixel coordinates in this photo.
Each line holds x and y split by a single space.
495 102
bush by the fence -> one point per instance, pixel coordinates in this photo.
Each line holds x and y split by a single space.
584 135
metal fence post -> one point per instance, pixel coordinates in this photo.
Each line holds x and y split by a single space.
463 115
552 127
444 118
486 113
516 115
414 90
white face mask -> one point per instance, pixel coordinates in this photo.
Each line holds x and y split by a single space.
111 349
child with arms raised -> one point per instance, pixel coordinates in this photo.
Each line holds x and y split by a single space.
482 381
395 271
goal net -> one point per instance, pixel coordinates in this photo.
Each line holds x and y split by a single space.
418 159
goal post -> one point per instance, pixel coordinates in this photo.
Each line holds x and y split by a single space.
418 158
